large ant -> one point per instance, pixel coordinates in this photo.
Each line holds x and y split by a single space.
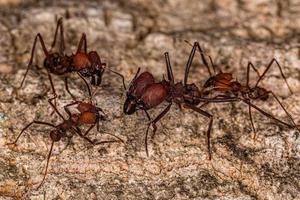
88 114
228 88
144 94
85 64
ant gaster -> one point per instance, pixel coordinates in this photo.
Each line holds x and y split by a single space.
144 94
89 114
85 64
228 87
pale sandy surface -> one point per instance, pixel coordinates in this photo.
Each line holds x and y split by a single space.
136 33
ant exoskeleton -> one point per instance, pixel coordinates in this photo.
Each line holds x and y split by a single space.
85 64
144 94
88 114
228 87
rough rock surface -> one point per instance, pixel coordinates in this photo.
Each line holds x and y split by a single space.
135 33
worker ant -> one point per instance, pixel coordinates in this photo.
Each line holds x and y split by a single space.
145 93
89 114
85 64
228 87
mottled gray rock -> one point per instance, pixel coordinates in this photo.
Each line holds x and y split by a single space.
136 33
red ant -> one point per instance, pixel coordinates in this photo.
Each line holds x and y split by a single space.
224 83
88 115
144 94
85 64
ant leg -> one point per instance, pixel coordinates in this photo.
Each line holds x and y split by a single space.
100 110
89 140
251 120
46 53
67 88
98 129
280 69
78 131
216 99
189 63
248 72
93 80
47 164
98 78
202 53
286 112
146 136
53 89
86 83
122 77
169 68
66 107
249 107
266 114
206 114
82 42
62 40
89 129
135 76
28 125
54 107
153 123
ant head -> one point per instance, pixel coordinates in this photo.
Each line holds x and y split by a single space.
130 105
55 135
53 62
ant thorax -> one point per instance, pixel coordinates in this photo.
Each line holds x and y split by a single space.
66 125
57 64
192 91
258 93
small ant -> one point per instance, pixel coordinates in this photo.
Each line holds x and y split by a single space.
224 84
88 115
144 94
85 64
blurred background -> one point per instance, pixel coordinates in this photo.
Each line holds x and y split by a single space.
135 33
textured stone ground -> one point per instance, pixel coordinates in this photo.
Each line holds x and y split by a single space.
136 33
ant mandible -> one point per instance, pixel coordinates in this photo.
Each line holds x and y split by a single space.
144 94
85 64
225 84
89 114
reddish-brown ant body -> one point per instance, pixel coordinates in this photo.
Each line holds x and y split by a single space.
228 87
144 94
88 115
85 64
